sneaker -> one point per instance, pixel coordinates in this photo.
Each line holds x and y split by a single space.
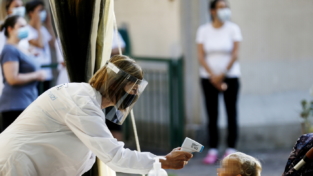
229 151
210 158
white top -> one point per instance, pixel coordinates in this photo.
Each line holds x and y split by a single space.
42 54
2 43
2 40
59 134
218 45
117 40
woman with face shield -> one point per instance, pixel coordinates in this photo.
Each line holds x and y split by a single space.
62 131
217 44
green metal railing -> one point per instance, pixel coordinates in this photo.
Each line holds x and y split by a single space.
159 112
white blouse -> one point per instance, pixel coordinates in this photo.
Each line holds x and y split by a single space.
218 45
60 133
2 43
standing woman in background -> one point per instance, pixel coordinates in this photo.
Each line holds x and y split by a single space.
8 7
41 38
217 48
19 70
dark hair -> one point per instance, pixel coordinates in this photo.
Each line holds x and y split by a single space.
31 5
7 4
212 4
9 22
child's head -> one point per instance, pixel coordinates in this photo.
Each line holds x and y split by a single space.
239 164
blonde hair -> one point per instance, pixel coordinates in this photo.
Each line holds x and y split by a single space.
247 165
107 84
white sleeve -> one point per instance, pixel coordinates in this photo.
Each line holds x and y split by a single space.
46 34
237 37
58 50
32 34
199 37
118 40
88 124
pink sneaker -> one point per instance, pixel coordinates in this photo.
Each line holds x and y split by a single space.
210 159
229 151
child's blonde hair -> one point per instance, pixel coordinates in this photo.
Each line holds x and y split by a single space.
247 165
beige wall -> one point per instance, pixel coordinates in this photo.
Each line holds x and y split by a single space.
276 54
275 30
276 50
154 26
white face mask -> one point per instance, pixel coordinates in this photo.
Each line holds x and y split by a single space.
43 15
19 11
224 14
22 33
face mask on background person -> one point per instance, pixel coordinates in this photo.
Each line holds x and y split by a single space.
224 14
22 33
19 11
43 15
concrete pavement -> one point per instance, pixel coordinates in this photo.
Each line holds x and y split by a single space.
273 163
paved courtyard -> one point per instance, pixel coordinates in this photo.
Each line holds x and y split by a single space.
273 163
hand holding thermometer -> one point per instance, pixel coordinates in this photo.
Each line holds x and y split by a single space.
190 146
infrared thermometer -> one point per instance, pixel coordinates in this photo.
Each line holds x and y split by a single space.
191 146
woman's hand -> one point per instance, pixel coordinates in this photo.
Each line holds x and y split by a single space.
41 75
217 81
176 159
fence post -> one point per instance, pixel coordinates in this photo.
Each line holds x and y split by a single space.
177 123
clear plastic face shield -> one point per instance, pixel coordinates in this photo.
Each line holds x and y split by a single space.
122 89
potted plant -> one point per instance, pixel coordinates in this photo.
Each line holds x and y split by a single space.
306 113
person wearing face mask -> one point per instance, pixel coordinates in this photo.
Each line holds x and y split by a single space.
217 48
63 130
117 42
11 7
8 7
19 70
40 38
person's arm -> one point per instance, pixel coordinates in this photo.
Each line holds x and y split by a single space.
201 58
36 39
236 38
13 77
218 79
88 123
50 30
177 159
234 56
38 42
